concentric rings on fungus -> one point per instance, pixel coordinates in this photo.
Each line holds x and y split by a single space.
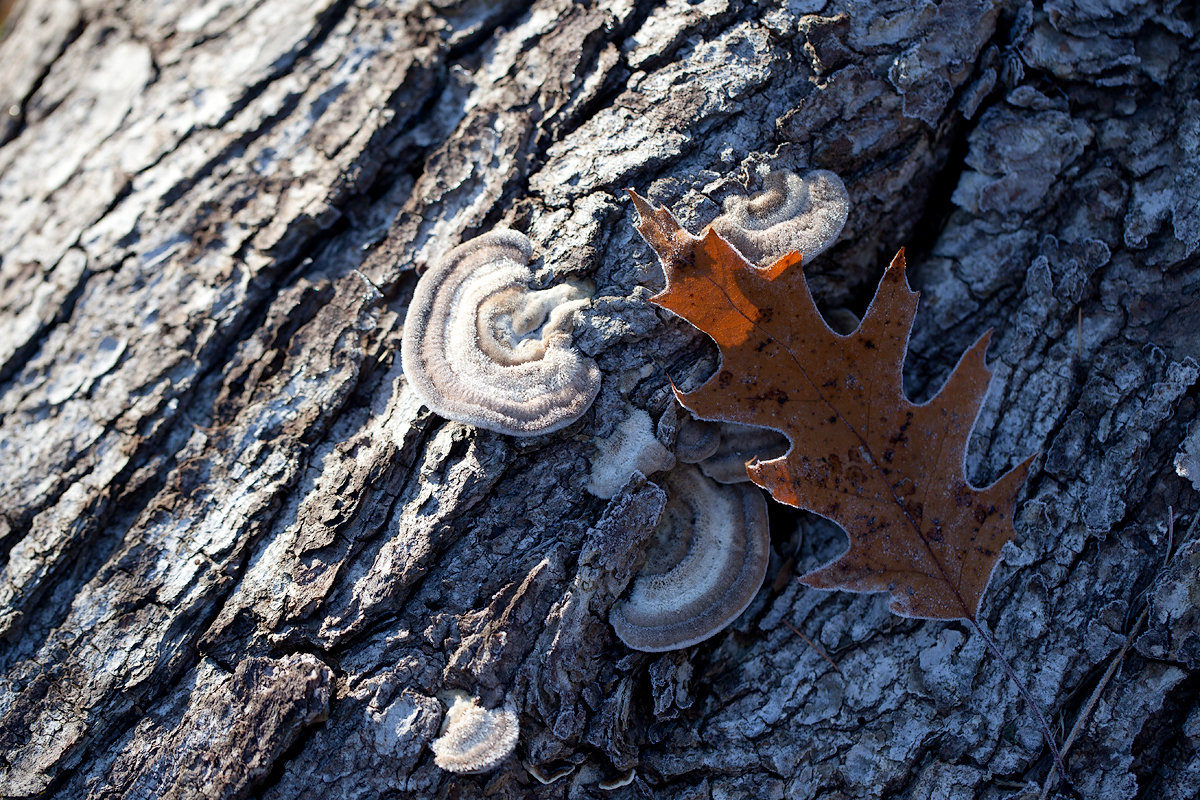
706 562
805 214
480 347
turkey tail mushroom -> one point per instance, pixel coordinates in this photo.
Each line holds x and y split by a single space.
706 562
804 214
473 738
480 347
630 449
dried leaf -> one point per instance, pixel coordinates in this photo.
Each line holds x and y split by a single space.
889 472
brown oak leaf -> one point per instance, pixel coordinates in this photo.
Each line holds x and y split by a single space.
888 471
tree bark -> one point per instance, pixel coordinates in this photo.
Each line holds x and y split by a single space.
240 558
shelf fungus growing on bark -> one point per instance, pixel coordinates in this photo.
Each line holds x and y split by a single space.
696 439
706 562
480 347
740 444
473 738
805 214
631 448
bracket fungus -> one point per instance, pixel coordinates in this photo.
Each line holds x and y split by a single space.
631 448
622 780
480 347
696 439
706 562
805 214
473 738
738 445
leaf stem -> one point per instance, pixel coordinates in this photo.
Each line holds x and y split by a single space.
1027 697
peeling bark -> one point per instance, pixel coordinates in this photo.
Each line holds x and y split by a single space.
240 559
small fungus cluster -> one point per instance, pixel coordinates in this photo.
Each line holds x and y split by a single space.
710 550
480 347
804 214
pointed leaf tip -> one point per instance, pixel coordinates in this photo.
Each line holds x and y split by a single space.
642 205
662 231
897 269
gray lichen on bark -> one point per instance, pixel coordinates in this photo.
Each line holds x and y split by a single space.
239 558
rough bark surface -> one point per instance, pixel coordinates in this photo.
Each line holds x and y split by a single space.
240 559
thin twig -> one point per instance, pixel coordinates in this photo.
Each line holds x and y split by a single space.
1086 714
814 646
1028 698
1171 534
1113 666
1079 334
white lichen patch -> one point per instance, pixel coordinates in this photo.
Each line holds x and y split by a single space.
473 738
791 213
480 347
631 448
